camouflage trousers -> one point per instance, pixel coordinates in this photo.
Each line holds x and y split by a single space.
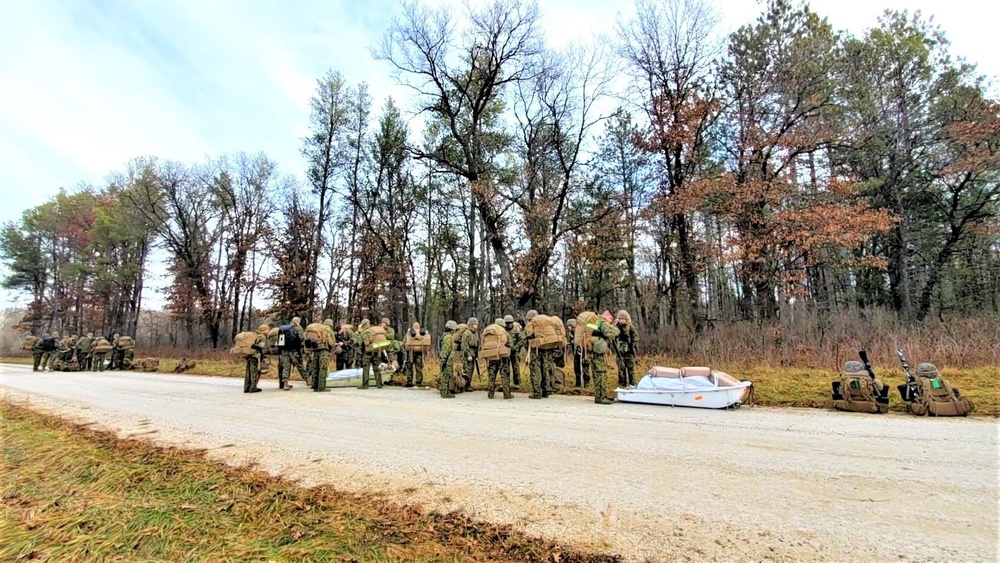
318 368
286 361
541 366
85 359
598 367
503 369
252 374
414 368
444 380
369 369
98 361
626 370
37 360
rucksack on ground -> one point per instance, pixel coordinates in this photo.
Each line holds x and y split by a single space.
938 398
102 346
376 339
243 345
495 343
458 333
558 379
126 342
856 392
288 338
149 364
318 336
549 332
420 342
30 342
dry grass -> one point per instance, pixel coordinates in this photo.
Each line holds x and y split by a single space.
777 386
74 494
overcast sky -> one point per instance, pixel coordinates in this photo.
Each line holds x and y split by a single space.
87 85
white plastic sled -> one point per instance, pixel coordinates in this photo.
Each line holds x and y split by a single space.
698 387
352 377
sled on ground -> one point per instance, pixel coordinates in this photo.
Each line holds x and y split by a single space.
698 387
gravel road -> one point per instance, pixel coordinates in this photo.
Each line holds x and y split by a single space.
650 483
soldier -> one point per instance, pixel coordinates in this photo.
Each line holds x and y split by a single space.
252 374
534 362
470 349
517 343
71 353
41 351
390 334
369 360
604 333
114 352
625 345
101 347
291 355
185 365
582 378
345 347
444 355
319 359
501 367
84 351
127 345
415 355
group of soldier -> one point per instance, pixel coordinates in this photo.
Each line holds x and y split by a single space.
373 348
87 353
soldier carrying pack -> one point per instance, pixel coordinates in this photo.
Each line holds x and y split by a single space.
495 344
243 345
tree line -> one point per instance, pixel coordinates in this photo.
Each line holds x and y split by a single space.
693 178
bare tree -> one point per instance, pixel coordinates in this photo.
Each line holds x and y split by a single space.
460 79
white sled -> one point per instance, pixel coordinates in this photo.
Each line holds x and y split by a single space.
698 387
352 377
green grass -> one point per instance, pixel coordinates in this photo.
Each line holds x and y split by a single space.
73 494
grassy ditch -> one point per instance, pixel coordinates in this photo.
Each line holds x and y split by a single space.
774 386
69 493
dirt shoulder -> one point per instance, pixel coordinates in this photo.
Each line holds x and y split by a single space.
641 482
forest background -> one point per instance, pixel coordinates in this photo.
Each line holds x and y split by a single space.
782 195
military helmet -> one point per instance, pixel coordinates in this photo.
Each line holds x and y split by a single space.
928 370
450 325
623 315
571 322
55 334
473 321
853 366
530 315
90 335
263 329
499 321
296 321
328 322
385 320
508 318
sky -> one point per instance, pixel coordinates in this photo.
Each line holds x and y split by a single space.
87 85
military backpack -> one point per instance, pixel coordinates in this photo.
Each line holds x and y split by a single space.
495 343
549 332
30 342
243 345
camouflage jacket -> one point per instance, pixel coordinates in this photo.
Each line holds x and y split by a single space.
627 339
470 342
447 346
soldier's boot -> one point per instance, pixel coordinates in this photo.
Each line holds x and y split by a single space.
603 401
507 395
535 396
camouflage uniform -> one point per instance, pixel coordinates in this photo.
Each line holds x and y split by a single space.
252 374
499 367
369 360
605 332
127 356
292 357
517 343
540 365
414 365
345 349
319 361
84 351
582 377
99 357
36 354
470 351
625 345
114 353
445 356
